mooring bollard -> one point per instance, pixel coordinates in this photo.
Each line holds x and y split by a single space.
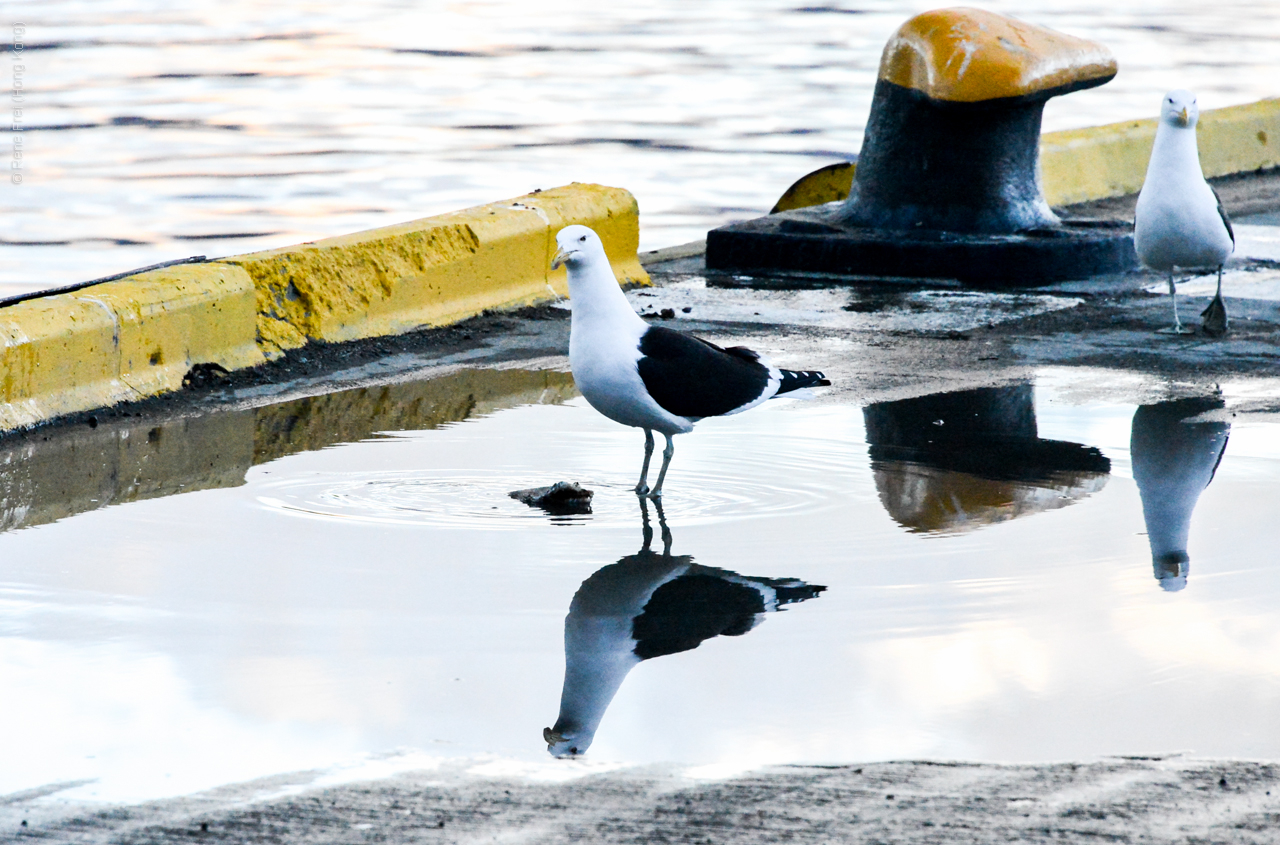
952 139
946 183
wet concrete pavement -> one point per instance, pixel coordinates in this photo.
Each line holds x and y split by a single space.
1171 800
878 341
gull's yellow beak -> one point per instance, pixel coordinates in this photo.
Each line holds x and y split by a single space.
1185 117
559 259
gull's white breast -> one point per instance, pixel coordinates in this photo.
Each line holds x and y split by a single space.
604 357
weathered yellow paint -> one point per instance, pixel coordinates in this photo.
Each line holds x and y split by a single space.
139 336
969 55
434 271
1079 165
167 320
826 184
122 340
56 358
1109 161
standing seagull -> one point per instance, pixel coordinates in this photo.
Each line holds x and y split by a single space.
1179 221
648 376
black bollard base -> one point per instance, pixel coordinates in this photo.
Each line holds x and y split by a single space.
814 240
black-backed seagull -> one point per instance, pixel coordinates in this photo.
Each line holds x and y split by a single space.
653 377
1179 222
649 605
1173 462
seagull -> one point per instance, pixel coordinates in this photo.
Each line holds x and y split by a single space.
1173 462
1179 221
647 605
652 377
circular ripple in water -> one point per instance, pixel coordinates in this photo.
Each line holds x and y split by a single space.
770 483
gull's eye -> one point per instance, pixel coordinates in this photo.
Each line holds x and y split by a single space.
583 239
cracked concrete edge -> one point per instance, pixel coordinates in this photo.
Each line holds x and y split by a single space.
139 336
121 341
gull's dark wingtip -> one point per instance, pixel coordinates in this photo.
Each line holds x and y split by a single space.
800 379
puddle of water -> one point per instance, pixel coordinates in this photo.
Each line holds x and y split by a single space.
1254 283
156 132
45 478
1008 575
865 309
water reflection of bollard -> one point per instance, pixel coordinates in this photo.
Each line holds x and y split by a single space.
946 183
1173 462
953 462
647 605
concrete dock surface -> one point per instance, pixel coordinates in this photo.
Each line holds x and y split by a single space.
877 340
1150 800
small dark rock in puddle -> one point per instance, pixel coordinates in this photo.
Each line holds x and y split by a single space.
563 497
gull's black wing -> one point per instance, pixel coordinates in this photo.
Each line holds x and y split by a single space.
691 377
1222 212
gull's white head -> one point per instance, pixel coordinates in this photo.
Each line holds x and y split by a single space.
566 744
1179 109
577 244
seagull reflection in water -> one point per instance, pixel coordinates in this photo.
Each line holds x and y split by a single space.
1173 462
647 605
953 462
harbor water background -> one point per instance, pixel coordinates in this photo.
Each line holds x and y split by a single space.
152 131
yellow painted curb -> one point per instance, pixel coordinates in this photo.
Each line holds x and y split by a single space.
1110 161
139 336
434 271
122 340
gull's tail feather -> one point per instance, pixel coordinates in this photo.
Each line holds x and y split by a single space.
800 379
791 590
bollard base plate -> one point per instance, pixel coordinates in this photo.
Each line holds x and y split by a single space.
810 240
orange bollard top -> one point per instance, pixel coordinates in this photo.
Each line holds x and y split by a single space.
969 55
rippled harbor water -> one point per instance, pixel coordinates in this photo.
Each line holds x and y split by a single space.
208 600
154 131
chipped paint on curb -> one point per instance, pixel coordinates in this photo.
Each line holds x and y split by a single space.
139 336
122 340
